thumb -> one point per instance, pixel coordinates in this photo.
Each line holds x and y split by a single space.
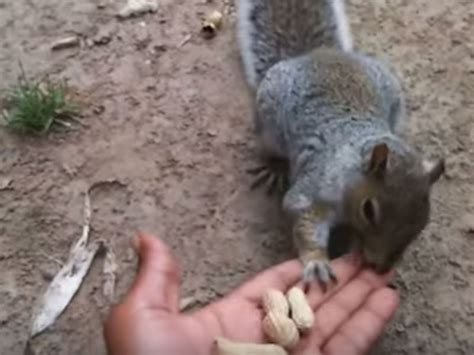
157 282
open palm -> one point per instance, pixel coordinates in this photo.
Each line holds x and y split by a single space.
348 318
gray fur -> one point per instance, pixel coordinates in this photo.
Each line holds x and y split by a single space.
301 121
324 108
272 30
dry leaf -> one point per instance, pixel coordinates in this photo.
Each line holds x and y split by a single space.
68 280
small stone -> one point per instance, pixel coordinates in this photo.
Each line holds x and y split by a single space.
104 36
456 41
89 43
399 328
157 49
469 310
98 109
100 41
5 183
66 42
440 70
212 132
138 7
160 48
459 281
47 275
454 262
467 223
408 321
69 170
470 268
142 37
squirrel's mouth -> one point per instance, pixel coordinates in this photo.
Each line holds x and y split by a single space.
379 266
379 269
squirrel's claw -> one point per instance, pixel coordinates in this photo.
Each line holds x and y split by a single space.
265 175
319 271
257 170
262 176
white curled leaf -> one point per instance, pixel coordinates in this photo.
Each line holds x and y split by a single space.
63 288
67 281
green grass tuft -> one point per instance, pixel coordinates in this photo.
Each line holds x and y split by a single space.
36 106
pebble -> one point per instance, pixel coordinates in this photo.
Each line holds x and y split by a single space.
467 223
66 42
5 183
104 36
142 36
138 7
212 133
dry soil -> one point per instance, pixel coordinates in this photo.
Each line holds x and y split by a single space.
167 117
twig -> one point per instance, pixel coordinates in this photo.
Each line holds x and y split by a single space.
185 40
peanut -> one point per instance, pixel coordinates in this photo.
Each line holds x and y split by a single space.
301 312
280 329
275 301
229 347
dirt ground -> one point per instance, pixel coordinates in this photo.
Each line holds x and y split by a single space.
168 117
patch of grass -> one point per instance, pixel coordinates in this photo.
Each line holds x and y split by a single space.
35 106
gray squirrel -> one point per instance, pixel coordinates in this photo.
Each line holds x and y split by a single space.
333 116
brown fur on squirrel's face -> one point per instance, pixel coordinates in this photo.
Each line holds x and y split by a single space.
390 206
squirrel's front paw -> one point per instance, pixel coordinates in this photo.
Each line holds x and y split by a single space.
318 271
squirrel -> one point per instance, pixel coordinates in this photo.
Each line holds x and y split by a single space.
334 117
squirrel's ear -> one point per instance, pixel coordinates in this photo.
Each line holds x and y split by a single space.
370 211
378 160
434 169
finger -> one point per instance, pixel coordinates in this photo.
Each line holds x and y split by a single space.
360 332
338 306
345 268
343 303
287 274
280 277
157 283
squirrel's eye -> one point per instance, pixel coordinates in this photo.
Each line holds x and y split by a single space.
369 211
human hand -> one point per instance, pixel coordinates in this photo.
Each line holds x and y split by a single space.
348 318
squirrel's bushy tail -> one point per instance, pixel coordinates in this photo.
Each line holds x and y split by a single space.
273 30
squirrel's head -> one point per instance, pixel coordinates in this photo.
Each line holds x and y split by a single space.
389 205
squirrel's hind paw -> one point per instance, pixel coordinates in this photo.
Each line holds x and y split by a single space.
319 271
